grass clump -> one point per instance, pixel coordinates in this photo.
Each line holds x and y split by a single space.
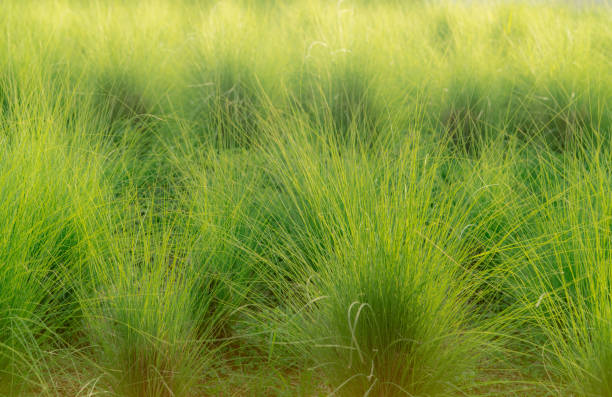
383 293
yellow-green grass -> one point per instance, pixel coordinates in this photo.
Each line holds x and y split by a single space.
352 198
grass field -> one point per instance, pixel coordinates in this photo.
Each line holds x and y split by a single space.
305 198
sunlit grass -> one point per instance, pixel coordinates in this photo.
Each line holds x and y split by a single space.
304 198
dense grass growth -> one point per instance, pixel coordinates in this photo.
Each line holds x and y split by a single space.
305 198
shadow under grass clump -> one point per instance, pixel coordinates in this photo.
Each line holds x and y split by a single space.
128 118
559 116
4 98
123 106
9 92
342 97
121 98
465 119
227 104
441 35
63 295
557 124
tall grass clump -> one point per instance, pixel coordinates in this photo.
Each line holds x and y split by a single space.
137 314
561 274
48 188
168 282
383 297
